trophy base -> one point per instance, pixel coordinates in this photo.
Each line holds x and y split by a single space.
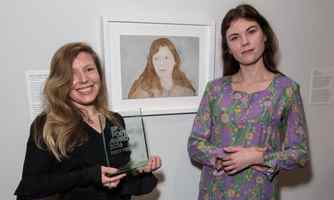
129 169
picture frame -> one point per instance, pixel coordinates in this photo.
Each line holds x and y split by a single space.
127 46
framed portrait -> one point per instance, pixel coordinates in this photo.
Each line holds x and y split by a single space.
158 67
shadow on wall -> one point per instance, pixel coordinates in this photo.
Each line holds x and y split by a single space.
298 177
155 194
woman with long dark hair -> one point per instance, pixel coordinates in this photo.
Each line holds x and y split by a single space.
250 123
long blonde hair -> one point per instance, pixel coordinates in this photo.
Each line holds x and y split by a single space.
149 79
61 131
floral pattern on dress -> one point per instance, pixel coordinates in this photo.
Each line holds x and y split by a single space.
273 118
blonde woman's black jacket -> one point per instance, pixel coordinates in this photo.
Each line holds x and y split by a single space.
78 177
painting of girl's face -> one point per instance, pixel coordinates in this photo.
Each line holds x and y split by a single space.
163 62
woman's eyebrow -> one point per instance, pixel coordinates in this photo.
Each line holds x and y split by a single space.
252 26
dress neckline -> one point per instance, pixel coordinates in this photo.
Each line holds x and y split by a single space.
270 85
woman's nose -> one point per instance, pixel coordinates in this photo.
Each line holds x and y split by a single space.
244 40
82 77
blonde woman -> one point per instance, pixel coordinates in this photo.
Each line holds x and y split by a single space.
65 155
162 76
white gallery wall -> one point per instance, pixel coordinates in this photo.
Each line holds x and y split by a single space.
31 31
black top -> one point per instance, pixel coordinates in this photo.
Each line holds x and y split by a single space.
78 177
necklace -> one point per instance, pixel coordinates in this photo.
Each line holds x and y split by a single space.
95 119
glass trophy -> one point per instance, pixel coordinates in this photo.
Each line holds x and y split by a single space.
137 145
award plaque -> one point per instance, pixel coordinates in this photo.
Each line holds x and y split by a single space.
135 137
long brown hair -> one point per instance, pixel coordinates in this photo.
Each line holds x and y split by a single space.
149 79
245 11
60 132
